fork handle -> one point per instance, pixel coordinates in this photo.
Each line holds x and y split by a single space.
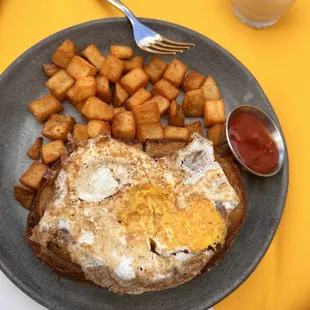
122 7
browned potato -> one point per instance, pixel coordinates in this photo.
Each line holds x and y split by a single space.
210 89
79 106
95 127
80 132
216 134
34 151
134 80
94 108
175 72
58 126
163 104
64 54
94 56
133 63
33 176
176 115
112 68
119 110
119 95
193 103
44 107
50 69
165 89
150 131
52 151
85 87
194 127
123 126
24 195
193 81
138 98
155 69
70 95
79 67
59 84
176 133
214 112
146 113
121 52
103 89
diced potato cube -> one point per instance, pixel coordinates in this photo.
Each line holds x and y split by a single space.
94 56
133 63
175 72
95 127
193 103
150 131
94 108
176 133
59 84
214 112
33 176
85 87
50 69
138 98
79 106
119 110
58 126
155 69
70 95
210 89
103 89
123 126
193 81
79 67
119 95
146 113
134 80
176 115
34 151
112 68
165 89
44 107
217 135
80 132
24 195
121 52
52 151
194 127
64 54
163 104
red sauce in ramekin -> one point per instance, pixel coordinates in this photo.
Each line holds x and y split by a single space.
252 143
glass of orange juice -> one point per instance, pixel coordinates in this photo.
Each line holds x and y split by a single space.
260 13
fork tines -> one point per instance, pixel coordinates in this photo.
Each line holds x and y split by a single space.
165 46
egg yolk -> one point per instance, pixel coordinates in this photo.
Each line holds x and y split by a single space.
152 211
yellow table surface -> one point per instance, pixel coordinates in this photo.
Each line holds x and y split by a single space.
279 57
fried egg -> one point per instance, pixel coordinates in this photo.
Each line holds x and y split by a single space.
127 218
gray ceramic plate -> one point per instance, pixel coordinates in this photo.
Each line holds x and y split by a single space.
24 81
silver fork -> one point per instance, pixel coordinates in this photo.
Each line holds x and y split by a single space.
149 40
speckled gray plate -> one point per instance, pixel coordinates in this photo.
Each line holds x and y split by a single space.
24 81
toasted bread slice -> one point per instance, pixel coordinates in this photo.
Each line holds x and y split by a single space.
58 259
162 148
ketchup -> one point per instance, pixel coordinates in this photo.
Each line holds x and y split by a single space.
252 143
